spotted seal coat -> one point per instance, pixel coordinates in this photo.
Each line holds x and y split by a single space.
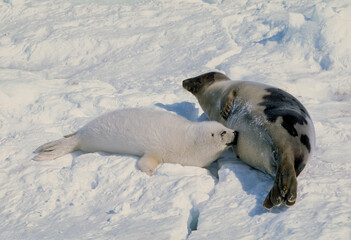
276 133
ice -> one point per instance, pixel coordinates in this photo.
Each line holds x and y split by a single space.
63 63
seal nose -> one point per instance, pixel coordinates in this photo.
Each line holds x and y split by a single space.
186 84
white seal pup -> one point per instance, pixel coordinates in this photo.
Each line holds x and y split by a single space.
276 133
154 135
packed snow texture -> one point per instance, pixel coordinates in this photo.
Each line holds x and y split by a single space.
63 63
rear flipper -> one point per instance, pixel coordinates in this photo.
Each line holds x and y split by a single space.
285 184
58 148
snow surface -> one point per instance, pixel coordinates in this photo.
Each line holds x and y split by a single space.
63 63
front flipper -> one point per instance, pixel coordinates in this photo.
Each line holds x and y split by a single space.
285 184
148 164
227 105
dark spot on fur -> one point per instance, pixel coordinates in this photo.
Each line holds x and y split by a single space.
299 164
281 104
306 141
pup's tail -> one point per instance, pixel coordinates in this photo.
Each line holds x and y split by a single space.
58 148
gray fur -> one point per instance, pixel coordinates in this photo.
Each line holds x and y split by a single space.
276 133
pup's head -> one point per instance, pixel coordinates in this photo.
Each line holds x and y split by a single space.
215 135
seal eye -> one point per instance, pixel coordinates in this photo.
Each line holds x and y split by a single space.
223 133
212 134
198 80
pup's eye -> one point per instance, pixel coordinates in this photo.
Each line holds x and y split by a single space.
212 134
223 133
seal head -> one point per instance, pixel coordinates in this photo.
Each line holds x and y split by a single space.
197 84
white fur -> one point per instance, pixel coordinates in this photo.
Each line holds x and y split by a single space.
156 136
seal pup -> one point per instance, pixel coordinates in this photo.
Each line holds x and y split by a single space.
156 136
276 133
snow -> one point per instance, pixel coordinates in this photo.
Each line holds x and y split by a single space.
63 63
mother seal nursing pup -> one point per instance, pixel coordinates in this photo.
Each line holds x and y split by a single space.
276 133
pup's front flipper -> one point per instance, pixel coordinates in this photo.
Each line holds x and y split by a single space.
148 164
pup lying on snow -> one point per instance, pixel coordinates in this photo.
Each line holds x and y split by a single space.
155 136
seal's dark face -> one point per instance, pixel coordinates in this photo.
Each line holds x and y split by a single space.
196 84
